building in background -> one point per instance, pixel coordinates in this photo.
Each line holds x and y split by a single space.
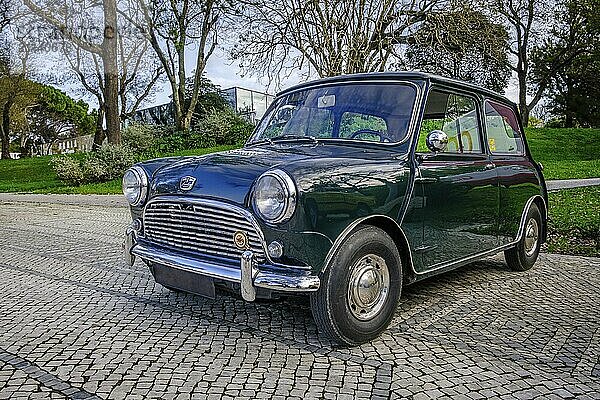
163 114
79 144
249 103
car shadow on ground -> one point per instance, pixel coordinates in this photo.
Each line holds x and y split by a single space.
289 318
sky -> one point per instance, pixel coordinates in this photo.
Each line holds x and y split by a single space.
226 73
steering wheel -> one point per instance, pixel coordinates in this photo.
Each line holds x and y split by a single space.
382 137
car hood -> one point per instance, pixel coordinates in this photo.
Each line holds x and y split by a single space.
230 175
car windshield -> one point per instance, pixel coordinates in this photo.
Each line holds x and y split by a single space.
366 112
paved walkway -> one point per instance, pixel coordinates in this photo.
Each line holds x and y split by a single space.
116 200
572 183
77 322
119 200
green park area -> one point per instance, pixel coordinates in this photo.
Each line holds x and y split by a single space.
564 153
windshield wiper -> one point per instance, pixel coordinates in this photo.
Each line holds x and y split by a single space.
261 141
294 137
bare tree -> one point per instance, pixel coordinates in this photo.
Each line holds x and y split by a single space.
133 68
530 23
174 29
139 71
462 43
326 37
69 19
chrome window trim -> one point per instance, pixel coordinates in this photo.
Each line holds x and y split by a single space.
418 95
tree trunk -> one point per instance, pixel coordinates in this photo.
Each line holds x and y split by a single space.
111 72
99 135
569 106
523 107
5 130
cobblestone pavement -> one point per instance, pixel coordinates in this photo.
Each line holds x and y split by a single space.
76 322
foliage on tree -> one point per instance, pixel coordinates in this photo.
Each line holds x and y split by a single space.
5 13
530 24
17 95
57 116
573 87
29 108
210 99
462 43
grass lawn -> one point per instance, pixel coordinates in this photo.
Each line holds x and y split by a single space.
574 223
566 153
35 175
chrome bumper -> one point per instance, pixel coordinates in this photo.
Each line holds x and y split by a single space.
248 276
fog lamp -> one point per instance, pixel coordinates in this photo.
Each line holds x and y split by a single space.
275 250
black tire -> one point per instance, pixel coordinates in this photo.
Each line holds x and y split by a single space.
331 305
524 255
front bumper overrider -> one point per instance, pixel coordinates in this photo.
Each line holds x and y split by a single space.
249 275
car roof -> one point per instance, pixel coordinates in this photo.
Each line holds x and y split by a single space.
403 75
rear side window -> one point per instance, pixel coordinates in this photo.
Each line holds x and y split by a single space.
503 131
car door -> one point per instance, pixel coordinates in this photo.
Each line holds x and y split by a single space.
516 173
459 185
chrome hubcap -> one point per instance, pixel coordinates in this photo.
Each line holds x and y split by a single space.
368 287
532 233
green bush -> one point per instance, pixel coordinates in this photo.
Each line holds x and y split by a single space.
106 164
68 170
226 127
94 170
142 139
172 141
115 159
217 128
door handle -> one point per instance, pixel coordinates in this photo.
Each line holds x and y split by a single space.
426 180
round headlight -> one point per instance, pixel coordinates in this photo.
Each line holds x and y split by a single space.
135 186
274 197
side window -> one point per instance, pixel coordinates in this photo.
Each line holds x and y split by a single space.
503 130
362 126
455 115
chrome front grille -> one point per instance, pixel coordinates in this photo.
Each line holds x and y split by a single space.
202 227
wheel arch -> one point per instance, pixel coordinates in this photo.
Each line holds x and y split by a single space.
389 226
541 205
539 201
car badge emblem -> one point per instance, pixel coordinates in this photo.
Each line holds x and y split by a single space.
187 183
240 239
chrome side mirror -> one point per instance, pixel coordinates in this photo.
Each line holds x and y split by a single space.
437 141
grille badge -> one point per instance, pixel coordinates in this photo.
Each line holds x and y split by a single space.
187 183
240 239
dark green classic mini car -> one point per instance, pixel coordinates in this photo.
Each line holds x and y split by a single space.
349 188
